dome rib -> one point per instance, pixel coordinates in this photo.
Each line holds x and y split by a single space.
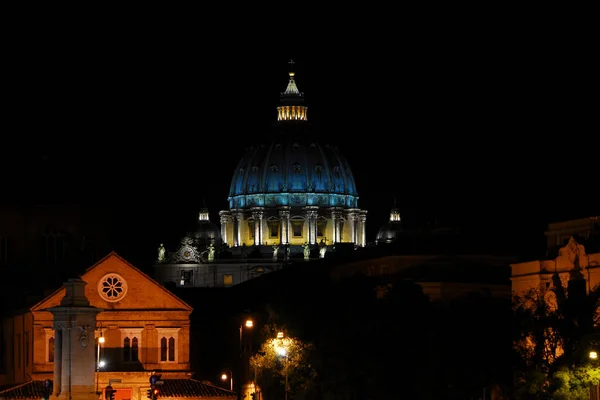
264 182
326 170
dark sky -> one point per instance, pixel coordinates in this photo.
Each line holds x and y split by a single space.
492 129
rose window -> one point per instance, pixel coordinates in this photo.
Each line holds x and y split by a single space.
112 287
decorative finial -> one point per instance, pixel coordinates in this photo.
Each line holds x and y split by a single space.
291 62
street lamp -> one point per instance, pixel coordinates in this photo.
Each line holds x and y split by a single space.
248 324
282 351
224 377
99 363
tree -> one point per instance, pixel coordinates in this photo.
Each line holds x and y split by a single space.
554 328
283 360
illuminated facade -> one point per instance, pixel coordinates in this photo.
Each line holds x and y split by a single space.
571 258
145 329
564 261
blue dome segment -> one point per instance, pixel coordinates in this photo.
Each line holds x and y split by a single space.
293 167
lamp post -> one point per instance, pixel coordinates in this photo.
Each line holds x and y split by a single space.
592 390
248 324
229 375
99 363
282 351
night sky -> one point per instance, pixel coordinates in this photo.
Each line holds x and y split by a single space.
489 131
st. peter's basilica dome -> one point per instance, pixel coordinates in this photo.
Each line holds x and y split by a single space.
293 188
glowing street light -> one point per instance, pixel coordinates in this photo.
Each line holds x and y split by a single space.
224 377
282 351
593 355
99 363
248 324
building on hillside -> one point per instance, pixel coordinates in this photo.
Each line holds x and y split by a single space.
292 196
141 329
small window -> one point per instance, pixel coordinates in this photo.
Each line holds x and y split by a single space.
163 349
227 280
297 227
171 349
127 350
273 229
167 349
187 277
134 349
130 349
321 225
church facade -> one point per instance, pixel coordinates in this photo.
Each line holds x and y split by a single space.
141 329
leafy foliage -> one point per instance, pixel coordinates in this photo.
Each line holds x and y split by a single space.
281 360
553 331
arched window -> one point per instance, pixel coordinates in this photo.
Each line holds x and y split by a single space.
132 343
171 349
163 349
134 349
51 349
167 344
126 349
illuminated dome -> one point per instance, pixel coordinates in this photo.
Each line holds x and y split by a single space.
294 168
392 229
292 171
292 189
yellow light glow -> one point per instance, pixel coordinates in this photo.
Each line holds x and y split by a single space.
593 355
279 335
249 323
101 339
224 377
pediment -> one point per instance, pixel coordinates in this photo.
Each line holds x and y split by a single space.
115 284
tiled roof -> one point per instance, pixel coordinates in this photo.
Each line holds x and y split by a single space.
180 388
27 390
192 388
